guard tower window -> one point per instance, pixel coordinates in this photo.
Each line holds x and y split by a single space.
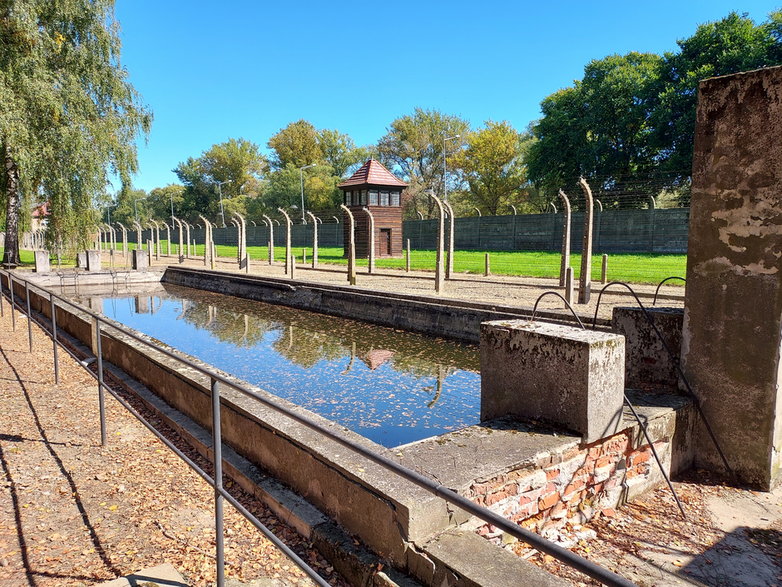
373 197
384 198
395 198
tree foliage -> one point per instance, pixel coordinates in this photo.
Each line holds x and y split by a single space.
69 115
628 125
232 170
415 147
493 167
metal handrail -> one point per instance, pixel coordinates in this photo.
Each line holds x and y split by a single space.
565 556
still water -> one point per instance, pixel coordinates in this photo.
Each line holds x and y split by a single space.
391 386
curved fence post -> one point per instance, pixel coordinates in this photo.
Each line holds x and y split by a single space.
288 225
271 238
565 257
371 244
585 279
351 245
315 221
451 227
438 270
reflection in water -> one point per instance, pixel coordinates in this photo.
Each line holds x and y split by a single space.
393 387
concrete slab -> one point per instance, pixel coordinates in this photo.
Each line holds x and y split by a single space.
163 575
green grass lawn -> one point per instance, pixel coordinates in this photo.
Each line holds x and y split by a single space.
633 268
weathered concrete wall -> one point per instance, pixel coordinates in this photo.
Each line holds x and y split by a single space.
647 364
733 305
560 374
454 319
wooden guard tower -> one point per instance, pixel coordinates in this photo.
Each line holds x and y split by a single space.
374 187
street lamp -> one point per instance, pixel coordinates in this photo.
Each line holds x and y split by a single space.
445 160
220 192
301 179
135 205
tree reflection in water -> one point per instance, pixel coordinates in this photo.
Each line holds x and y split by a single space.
391 386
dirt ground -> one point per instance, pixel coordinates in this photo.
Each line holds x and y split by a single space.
730 537
75 513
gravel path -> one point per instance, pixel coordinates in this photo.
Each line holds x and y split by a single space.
75 513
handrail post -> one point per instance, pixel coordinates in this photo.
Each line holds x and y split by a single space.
13 304
29 315
218 483
54 340
101 394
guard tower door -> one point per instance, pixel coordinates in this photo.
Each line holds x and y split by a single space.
385 240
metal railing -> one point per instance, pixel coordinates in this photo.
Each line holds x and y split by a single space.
543 545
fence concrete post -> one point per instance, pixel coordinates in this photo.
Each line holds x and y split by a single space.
487 266
351 245
569 285
371 251
288 225
564 262
451 227
604 270
314 239
271 238
585 279
407 257
438 270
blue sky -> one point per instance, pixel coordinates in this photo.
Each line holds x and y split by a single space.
215 70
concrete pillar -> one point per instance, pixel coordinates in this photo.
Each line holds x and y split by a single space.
585 279
288 253
314 239
81 260
438 271
271 239
407 257
139 260
93 260
371 251
563 375
451 227
565 256
351 245
569 285
604 270
487 265
42 262
732 340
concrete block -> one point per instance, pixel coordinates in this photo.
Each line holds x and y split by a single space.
42 264
560 374
93 260
81 260
140 260
647 363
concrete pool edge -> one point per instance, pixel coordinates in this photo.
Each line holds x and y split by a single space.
394 518
441 317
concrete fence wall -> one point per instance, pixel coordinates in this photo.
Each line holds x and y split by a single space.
616 231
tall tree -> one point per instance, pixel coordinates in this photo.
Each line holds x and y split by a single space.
732 44
297 144
69 114
415 145
229 170
493 167
340 152
599 128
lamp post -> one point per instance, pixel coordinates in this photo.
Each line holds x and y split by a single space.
135 206
301 180
445 164
220 193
